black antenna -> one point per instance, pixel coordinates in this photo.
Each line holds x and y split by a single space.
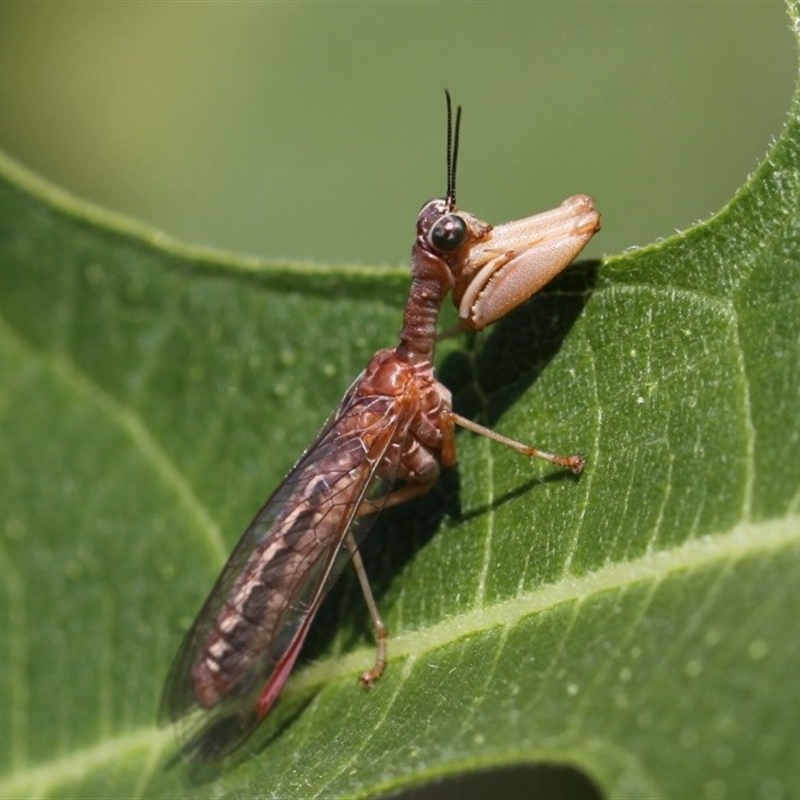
452 150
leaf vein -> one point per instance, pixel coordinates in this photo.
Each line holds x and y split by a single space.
133 425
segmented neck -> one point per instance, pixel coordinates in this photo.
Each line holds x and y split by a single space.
431 281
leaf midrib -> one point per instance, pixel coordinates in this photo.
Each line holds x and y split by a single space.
744 540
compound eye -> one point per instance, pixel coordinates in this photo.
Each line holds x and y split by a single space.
448 233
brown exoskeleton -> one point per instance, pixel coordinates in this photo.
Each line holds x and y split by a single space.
388 441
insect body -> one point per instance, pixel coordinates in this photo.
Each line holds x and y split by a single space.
391 436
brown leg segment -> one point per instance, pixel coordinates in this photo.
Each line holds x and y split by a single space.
369 677
575 462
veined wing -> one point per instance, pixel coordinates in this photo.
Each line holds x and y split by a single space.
241 647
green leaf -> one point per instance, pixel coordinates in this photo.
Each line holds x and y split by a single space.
638 624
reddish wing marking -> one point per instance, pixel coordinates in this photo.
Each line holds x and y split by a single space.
240 650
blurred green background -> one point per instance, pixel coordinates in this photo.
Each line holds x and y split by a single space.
316 130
